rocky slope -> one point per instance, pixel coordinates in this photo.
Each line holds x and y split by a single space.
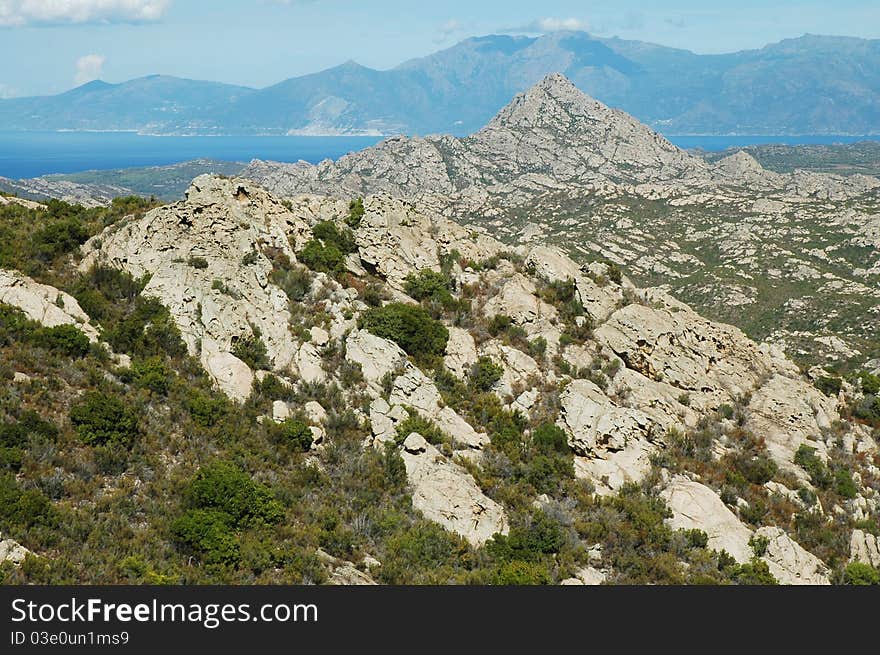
648 371
558 166
87 195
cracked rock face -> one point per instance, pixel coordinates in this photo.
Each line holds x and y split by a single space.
227 224
447 494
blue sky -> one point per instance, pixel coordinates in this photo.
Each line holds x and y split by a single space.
49 46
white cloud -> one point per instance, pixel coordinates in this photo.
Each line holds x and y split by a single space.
448 30
545 25
7 92
17 13
89 68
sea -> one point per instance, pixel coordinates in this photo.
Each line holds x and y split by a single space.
31 154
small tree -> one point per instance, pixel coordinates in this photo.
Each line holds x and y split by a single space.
103 419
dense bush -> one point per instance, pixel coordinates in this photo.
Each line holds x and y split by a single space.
806 458
326 251
293 433
23 508
153 374
209 534
147 330
64 339
828 385
759 469
224 487
868 410
870 383
549 437
410 327
484 374
418 424
14 437
295 282
221 502
858 573
430 286
102 419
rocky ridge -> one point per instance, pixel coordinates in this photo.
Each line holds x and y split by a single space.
665 367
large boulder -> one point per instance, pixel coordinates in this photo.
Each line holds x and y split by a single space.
11 551
43 303
865 548
376 356
461 352
446 493
789 562
696 507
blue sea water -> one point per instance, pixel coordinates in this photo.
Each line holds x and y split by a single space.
31 154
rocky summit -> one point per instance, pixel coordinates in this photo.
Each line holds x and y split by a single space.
374 371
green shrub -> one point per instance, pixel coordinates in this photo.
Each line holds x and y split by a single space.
224 487
528 542
430 286
759 545
868 409
64 339
146 331
206 410
294 433
207 533
356 213
806 458
755 572
500 324
858 573
428 429
252 351
14 438
870 383
152 374
696 538
198 262
322 258
549 437
423 546
519 573
410 327
330 234
295 282
828 385
23 508
485 374
844 484
103 419
757 470
615 274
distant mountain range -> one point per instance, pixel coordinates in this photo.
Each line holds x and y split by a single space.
808 85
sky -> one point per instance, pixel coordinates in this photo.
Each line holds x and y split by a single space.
49 46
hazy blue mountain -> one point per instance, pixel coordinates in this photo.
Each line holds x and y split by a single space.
809 85
157 104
